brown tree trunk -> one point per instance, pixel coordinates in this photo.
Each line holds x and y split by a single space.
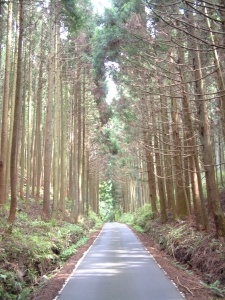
160 181
46 210
204 133
150 171
4 132
38 133
57 127
198 199
17 119
220 78
63 153
169 185
181 197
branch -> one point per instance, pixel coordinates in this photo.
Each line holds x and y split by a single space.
186 32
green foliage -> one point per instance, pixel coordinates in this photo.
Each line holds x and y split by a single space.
67 253
127 218
177 232
128 114
126 8
35 248
138 228
110 139
97 221
143 215
9 279
105 47
138 219
216 288
76 14
90 222
107 200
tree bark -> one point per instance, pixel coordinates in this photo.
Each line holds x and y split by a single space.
17 119
46 210
5 108
204 134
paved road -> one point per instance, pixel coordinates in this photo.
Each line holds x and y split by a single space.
117 267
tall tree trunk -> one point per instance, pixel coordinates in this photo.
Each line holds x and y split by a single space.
64 99
22 159
84 154
160 181
29 126
5 108
80 143
46 210
171 203
150 171
12 106
181 197
75 156
57 113
220 78
17 119
38 134
149 157
204 133
197 192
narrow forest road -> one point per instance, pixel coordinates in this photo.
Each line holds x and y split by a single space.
117 267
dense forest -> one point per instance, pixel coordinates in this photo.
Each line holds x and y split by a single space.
72 150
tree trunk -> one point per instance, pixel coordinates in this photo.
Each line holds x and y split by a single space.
5 108
204 133
169 185
181 197
149 157
57 113
160 181
220 78
46 210
63 153
12 107
29 126
150 171
17 119
198 199
38 134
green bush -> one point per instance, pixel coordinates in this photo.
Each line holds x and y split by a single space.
138 219
143 215
67 253
38 248
138 228
127 218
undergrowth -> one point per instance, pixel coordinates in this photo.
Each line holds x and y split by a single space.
192 249
35 249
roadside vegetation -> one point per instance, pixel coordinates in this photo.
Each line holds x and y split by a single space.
195 251
36 250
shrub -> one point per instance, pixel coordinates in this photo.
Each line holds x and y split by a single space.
127 218
143 215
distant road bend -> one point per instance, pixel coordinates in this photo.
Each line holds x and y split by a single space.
117 267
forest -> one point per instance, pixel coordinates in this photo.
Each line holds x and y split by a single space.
74 154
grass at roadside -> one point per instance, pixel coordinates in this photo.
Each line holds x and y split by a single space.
36 249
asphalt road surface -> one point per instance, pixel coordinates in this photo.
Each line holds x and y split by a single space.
117 267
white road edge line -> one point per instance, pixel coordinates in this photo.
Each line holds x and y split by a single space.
182 294
78 263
